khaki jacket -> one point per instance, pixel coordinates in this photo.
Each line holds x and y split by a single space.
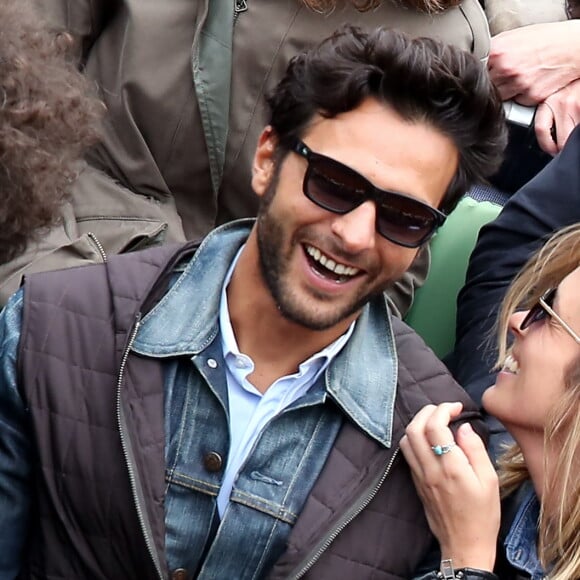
185 112
509 14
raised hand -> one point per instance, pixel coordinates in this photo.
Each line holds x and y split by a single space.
530 63
457 484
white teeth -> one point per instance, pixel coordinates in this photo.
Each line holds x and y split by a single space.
328 263
511 364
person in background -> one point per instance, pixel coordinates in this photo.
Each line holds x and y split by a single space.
48 118
184 85
551 201
537 397
233 410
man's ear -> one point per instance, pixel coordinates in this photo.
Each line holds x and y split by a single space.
263 167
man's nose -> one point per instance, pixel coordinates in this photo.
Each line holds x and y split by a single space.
357 228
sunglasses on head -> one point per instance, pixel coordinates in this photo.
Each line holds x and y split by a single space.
544 308
401 219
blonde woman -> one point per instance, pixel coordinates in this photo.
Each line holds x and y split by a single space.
537 397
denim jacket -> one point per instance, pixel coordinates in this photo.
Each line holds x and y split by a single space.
521 541
274 482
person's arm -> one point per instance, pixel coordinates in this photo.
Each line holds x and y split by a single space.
547 203
15 463
458 487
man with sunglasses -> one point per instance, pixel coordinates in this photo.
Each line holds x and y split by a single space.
183 82
232 410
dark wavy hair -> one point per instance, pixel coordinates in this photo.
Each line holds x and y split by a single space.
48 117
573 8
422 79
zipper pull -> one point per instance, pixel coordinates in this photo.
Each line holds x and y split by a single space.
240 6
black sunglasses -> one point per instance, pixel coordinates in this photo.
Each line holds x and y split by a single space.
544 308
336 187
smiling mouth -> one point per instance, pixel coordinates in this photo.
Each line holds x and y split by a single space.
510 365
329 268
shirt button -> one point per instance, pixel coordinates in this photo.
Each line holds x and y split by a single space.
213 461
212 363
240 363
179 574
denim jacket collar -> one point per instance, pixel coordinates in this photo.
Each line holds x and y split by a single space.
362 379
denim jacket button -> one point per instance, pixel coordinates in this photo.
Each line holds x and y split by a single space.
213 461
179 574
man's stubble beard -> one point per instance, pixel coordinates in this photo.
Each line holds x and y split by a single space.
274 267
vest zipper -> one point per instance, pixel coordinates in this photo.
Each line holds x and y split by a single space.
127 453
239 7
352 513
99 246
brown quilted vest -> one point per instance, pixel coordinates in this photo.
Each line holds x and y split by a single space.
100 442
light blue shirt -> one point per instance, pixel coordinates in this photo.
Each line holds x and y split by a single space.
250 410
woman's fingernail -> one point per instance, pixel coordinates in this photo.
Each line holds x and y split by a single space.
466 429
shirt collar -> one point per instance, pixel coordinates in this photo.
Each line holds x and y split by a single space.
362 377
311 366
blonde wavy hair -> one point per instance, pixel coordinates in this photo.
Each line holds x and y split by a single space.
428 6
559 540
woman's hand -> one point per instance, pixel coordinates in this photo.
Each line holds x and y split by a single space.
560 111
530 63
459 489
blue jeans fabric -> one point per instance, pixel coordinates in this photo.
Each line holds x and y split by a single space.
273 484
270 489
15 452
521 541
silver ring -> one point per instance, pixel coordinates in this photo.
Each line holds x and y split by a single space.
443 449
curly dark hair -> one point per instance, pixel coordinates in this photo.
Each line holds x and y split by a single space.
429 6
48 117
573 8
421 79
